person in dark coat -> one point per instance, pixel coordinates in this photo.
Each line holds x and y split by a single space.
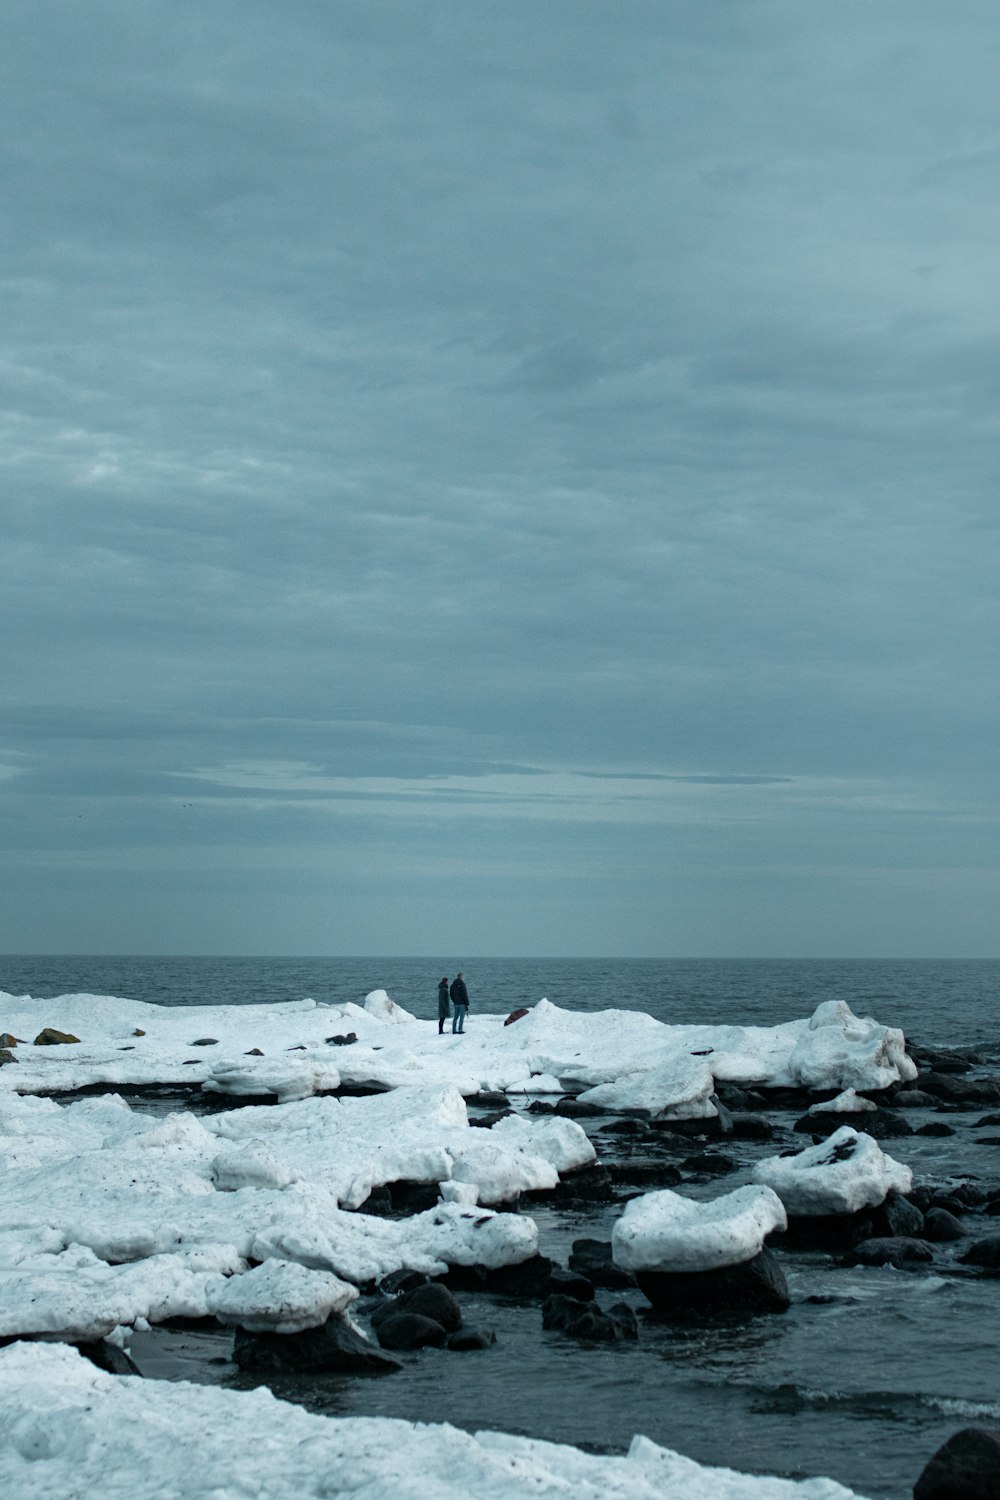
444 1005
460 1000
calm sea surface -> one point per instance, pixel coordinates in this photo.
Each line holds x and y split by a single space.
862 1379
946 1003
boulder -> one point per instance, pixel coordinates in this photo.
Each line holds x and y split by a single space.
757 1286
962 1091
897 1216
410 1330
897 1252
336 1345
569 1284
6 1056
593 1259
8 1039
940 1226
966 1467
715 1163
470 1338
50 1037
430 1300
516 1015
985 1254
585 1320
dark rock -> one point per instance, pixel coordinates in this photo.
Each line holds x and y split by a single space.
6 1056
486 1122
108 1357
378 1202
540 1107
254 1052
898 1252
734 1097
972 1194
922 1197
576 1109
205 1041
569 1284
516 1015
50 1037
756 1286
470 1338
333 1346
342 1039
949 1203
751 1127
713 1162
413 1197
648 1174
986 1120
398 1282
985 1254
8 1039
966 1467
723 1118
432 1300
524 1280
940 1225
626 1127
625 1315
489 1099
913 1099
409 1330
593 1259
897 1216
935 1127
591 1184
585 1320
962 1090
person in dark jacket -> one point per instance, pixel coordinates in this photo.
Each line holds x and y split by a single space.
460 1000
444 1005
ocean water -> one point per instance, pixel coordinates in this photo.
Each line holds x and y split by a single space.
862 1379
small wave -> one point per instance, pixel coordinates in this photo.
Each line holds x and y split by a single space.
896 1405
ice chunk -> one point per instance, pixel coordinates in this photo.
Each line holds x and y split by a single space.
843 1174
664 1231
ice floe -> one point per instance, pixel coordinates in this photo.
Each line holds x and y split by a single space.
70 1429
664 1231
847 1172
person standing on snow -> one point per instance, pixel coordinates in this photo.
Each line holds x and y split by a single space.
460 1000
444 1006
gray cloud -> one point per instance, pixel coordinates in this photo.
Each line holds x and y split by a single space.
433 394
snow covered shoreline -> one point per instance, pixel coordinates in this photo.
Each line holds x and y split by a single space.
249 1214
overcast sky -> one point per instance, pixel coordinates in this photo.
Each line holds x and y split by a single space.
500 478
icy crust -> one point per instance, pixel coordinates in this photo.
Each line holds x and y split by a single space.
664 1231
111 1215
70 1429
619 1059
847 1172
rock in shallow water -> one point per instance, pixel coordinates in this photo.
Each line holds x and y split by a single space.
410 1330
966 1467
335 1345
585 1320
756 1286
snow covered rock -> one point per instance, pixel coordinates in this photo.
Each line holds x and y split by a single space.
664 1231
842 1175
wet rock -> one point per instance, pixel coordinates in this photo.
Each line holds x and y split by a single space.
935 1127
108 1357
430 1300
410 1198
8 1039
342 1039
569 1284
913 1099
715 1163
585 1320
410 1330
756 1286
944 1086
254 1052
378 1202
648 1174
941 1226
752 1127
50 1037
486 1122
985 1254
591 1184
402 1281
470 1338
626 1127
897 1216
333 1346
966 1467
576 1109
516 1015
205 1041
593 1259
488 1099
898 1252
6 1056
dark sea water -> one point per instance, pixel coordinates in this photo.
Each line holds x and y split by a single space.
862 1379
944 1003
